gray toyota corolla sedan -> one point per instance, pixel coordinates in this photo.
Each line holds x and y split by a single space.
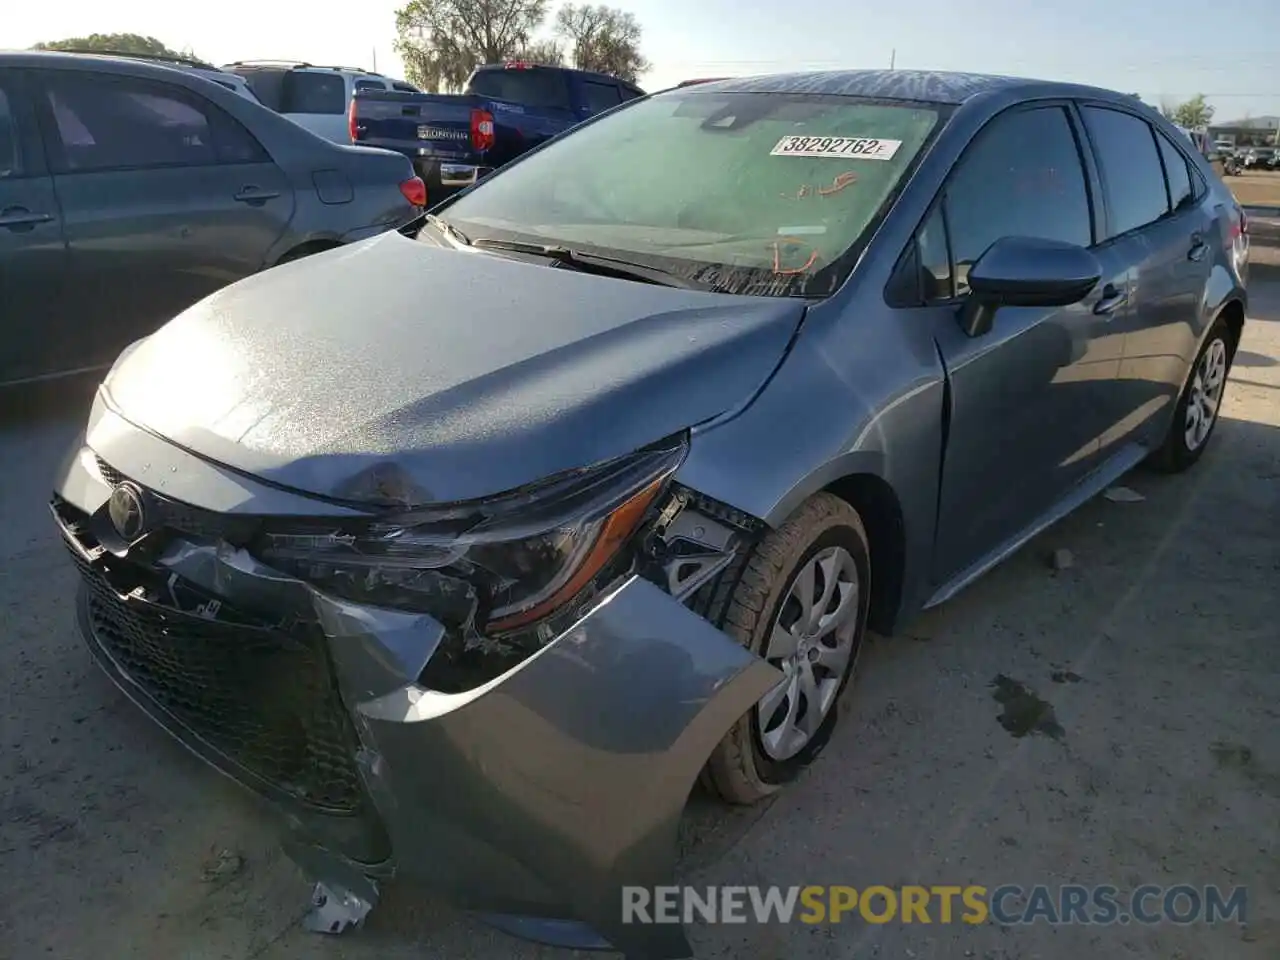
471 552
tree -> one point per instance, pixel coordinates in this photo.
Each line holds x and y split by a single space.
442 41
544 51
603 39
1192 114
115 43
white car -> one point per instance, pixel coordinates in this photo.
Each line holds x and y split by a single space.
313 97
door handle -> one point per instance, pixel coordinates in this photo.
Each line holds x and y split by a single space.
1198 247
255 195
1112 300
15 218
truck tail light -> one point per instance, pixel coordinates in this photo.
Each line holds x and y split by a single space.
353 129
481 129
415 191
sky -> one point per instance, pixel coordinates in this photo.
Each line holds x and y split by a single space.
1163 50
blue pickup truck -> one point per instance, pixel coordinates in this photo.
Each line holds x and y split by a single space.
505 110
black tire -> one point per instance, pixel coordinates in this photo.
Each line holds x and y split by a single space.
740 771
1175 454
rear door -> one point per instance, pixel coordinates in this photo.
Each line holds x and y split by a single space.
165 196
1030 398
39 337
1155 221
317 100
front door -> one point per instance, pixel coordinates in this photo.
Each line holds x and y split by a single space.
33 340
166 199
1030 398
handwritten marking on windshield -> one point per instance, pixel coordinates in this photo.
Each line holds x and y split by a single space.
843 180
840 182
781 271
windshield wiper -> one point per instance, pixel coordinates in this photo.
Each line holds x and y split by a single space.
448 228
594 263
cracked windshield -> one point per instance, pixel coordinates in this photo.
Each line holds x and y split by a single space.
519 479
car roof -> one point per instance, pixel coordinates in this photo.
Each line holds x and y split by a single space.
299 65
920 85
534 65
125 64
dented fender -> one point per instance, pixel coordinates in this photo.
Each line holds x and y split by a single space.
549 789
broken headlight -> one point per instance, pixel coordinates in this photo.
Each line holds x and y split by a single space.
489 568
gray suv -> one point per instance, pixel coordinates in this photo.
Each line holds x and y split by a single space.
130 190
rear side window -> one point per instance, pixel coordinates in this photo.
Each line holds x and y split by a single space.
307 92
1132 175
10 152
1022 176
109 123
600 96
531 87
370 85
1176 174
404 88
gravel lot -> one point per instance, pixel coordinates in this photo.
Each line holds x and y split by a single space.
1162 637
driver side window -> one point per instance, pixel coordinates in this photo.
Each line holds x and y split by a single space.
1022 176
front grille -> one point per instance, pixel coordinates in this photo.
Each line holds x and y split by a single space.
262 697
109 473
186 519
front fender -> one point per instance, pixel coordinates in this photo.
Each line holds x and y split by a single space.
547 791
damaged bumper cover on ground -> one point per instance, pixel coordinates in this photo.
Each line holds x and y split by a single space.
536 795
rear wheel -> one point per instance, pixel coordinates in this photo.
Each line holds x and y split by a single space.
801 604
1196 414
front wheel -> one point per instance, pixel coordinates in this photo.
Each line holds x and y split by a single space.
1197 411
801 604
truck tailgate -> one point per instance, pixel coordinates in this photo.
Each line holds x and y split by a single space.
426 124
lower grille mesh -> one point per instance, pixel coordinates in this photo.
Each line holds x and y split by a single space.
263 698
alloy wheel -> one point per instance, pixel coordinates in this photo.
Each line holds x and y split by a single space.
1205 397
812 642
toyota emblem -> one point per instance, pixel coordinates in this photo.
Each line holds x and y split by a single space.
128 512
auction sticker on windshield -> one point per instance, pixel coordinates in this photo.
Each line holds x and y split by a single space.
850 148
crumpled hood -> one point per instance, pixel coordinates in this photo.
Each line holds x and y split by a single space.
395 371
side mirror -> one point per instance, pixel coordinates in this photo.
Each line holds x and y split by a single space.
1026 272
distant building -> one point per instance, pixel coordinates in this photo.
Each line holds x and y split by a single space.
1253 132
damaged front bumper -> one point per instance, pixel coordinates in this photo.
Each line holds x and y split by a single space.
535 797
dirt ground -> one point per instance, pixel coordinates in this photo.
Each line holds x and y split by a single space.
1156 649
1261 188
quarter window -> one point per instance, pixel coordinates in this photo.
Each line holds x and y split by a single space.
1021 177
934 258
1132 176
1176 173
